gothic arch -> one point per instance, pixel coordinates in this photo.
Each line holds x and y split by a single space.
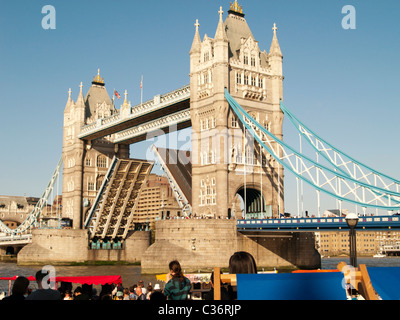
253 201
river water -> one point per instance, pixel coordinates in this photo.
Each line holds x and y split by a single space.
132 274
129 274
331 263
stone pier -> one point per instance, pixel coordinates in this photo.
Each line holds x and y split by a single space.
200 244
66 247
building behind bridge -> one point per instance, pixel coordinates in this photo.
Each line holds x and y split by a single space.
15 209
336 243
157 201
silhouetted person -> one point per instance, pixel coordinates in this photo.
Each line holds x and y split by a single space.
19 289
240 262
44 292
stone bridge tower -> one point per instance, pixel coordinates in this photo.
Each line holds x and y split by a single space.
228 170
86 163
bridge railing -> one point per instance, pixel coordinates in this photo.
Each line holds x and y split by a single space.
318 223
15 239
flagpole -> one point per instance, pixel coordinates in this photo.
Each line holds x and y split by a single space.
141 91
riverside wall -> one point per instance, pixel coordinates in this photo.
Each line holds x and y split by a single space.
198 244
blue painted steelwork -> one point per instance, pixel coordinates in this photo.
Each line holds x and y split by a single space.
342 161
31 220
378 192
318 224
298 124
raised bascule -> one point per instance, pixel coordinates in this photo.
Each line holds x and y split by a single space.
235 169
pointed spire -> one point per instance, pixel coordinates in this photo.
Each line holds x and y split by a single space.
69 101
126 97
275 49
80 99
69 97
196 40
220 34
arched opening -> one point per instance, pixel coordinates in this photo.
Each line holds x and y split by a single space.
252 204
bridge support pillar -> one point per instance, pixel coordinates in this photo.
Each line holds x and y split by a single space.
70 246
281 249
202 244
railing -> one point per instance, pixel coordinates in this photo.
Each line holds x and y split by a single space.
15 239
318 224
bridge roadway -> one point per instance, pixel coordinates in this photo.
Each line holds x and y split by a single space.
318 224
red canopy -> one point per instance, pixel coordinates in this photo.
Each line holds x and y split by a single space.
30 278
96 280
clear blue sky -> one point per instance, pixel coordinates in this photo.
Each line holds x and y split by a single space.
343 83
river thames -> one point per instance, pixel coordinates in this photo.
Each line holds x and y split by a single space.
132 274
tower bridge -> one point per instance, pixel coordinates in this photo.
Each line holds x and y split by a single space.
234 106
95 131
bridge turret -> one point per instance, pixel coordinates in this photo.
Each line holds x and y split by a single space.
195 53
275 58
69 102
80 108
224 164
221 59
275 52
86 163
196 44
73 152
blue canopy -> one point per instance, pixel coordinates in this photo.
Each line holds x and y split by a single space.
386 281
291 286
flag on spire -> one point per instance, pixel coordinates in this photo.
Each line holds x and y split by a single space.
117 94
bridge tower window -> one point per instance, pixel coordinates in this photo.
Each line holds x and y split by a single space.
253 81
234 122
239 78
102 162
91 186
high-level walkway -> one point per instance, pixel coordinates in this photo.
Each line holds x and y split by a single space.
134 124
